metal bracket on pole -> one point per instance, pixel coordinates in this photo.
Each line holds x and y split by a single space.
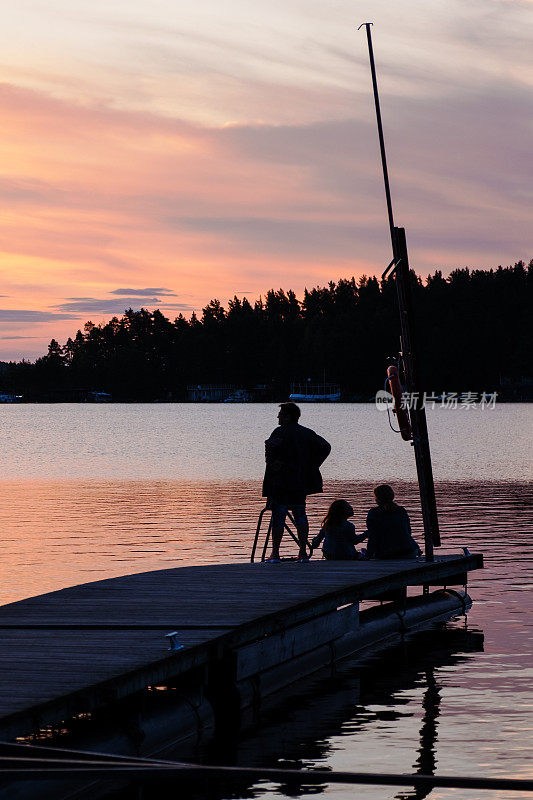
393 264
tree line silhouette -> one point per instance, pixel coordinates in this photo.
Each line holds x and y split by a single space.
473 330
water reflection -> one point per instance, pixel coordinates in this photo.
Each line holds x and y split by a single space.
426 761
349 709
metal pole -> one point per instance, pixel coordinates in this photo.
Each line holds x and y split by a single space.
403 288
417 412
367 25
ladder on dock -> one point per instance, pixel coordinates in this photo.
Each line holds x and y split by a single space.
289 530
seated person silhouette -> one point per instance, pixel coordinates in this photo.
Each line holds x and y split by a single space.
338 534
389 528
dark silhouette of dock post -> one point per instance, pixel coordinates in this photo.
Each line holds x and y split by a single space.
417 413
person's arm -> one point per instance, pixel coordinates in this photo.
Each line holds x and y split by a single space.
273 447
408 524
321 448
317 540
370 547
354 538
407 521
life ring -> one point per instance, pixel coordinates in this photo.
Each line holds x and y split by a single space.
402 415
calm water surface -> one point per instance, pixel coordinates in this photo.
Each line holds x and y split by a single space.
94 491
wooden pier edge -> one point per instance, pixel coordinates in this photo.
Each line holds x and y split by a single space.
292 638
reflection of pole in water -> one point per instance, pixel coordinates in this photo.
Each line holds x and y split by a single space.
426 762
296 734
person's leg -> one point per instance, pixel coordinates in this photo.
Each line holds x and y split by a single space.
302 528
279 514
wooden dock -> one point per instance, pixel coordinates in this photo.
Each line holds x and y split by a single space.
79 649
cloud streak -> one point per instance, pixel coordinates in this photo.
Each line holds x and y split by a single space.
28 315
92 305
145 292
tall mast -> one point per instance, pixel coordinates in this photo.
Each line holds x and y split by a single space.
400 269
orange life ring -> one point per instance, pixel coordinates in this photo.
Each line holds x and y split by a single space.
402 415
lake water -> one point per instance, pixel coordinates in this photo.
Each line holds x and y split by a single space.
92 491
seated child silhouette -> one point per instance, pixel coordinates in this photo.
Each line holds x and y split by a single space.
338 534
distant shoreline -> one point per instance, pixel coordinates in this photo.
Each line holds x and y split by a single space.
503 401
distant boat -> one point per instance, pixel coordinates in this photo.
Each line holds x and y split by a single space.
315 393
240 396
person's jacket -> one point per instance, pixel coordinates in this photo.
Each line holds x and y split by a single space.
293 457
339 540
389 533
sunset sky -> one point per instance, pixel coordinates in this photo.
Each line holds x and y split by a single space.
164 153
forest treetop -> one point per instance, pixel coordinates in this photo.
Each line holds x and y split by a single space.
473 331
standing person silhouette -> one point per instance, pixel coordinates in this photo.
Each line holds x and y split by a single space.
293 457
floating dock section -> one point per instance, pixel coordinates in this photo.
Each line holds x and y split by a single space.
159 656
